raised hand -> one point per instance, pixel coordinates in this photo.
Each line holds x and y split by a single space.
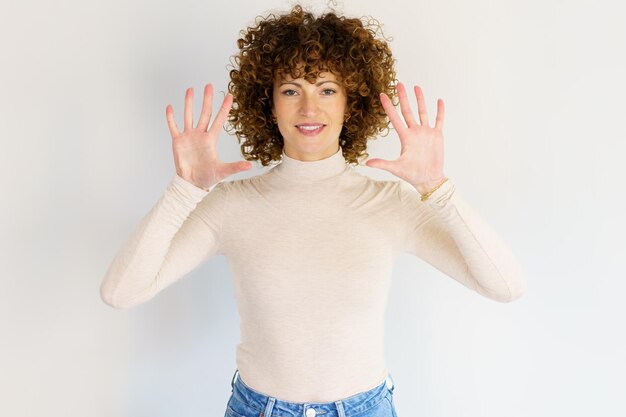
421 155
195 150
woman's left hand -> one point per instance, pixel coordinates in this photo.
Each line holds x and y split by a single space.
421 154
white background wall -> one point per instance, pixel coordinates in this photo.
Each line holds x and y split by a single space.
534 138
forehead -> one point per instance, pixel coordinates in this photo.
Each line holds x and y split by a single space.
321 75
290 74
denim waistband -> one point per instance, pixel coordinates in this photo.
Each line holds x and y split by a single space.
348 406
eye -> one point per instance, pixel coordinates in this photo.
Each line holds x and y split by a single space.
287 91
329 89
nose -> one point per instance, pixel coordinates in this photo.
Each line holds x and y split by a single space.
308 105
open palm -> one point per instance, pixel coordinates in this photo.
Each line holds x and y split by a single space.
195 149
421 155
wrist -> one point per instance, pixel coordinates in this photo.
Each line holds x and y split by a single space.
427 189
203 187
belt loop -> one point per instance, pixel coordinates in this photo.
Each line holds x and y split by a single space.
269 407
341 412
232 382
393 384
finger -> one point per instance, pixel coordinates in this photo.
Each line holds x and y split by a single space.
395 120
222 114
205 114
189 109
233 168
421 106
440 114
171 123
379 163
405 106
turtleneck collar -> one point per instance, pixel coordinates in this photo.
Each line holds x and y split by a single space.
310 171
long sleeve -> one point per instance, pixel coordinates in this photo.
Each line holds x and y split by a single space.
451 236
176 235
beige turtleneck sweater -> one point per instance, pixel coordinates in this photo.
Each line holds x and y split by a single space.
311 246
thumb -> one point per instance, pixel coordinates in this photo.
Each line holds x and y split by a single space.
236 167
377 163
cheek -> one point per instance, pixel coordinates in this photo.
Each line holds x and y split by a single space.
280 107
340 112
343 107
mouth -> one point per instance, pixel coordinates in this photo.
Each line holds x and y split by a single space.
310 129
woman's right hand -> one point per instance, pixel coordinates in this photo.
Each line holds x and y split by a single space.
195 149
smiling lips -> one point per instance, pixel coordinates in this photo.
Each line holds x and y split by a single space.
310 129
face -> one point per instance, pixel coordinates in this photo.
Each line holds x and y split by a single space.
310 115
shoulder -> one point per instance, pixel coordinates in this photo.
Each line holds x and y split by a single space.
226 198
231 184
236 190
391 187
407 192
397 192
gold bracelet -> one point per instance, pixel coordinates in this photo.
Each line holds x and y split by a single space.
428 194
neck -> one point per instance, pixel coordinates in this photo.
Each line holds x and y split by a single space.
311 171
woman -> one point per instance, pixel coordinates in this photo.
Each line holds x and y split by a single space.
311 242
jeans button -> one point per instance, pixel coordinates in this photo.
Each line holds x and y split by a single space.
310 412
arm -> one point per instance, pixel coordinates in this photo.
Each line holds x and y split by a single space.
448 234
180 232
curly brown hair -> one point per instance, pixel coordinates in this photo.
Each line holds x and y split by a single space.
296 41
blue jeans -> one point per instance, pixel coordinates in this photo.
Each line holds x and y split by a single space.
246 402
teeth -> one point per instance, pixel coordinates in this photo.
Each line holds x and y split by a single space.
310 127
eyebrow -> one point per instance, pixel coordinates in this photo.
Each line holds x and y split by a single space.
318 84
